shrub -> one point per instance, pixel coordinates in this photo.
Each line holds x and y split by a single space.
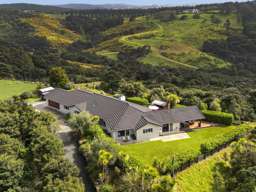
106 188
219 117
26 95
138 100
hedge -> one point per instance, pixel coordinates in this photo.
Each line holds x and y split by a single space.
219 117
138 100
178 162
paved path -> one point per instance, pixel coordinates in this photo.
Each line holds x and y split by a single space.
172 137
71 146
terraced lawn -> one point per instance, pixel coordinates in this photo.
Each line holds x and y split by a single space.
9 88
146 152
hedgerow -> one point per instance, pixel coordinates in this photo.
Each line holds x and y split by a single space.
219 117
178 162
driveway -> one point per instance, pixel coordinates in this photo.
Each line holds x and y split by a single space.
71 146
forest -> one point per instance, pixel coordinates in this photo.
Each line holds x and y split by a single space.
114 48
31 155
202 55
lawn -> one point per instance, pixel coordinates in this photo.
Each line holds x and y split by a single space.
146 152
199 177
9 88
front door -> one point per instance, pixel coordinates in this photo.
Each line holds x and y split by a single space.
165 128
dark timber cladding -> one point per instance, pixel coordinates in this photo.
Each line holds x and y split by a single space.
54 104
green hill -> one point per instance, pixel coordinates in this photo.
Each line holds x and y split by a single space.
174 43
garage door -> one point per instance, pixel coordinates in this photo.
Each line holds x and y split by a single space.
54 104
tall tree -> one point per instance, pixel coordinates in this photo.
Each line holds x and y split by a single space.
58 77
172 100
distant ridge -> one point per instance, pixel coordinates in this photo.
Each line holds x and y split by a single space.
34 7
104 6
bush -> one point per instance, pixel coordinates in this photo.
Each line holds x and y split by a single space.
106 188
138 100
26 95
219 117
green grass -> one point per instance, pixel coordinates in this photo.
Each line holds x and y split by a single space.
199 177
9 88
109 54
176 43
146 152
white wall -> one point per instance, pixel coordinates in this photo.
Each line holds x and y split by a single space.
175 127
146 136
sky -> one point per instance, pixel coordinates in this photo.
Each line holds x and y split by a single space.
131 2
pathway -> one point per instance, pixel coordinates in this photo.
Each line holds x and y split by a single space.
71 146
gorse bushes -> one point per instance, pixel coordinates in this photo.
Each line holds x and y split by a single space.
110 168
31 156
219 117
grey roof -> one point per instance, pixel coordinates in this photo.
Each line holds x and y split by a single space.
175 115
68 98
123 115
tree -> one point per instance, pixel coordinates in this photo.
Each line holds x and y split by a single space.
215 19
69 184
58 77
157 93
83 122
104 159
11 172
227 25
237 172
203 106
215 105
133 89
163 184
172 100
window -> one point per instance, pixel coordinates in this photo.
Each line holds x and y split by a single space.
165 128
121 133
66 107
150 130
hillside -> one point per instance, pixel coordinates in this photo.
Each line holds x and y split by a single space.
50 28
176 43
200 56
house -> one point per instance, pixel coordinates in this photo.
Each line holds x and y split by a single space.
123 120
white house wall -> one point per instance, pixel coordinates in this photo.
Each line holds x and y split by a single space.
175 127
146 136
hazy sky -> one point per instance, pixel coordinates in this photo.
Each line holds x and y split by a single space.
134 2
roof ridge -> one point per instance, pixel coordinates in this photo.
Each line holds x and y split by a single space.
113 98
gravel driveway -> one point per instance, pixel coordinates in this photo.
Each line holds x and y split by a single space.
70 141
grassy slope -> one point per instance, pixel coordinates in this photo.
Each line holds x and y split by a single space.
146 152
198 177
50 27
176 43
9 88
